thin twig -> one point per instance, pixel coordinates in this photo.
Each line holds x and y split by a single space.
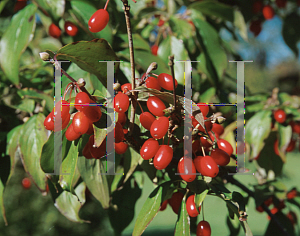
171 64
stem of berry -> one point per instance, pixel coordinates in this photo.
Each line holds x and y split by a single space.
107 1
202 210
126 9
171 64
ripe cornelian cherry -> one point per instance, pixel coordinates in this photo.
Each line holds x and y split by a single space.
208 142
175 201
154 50
268 12
121 147
186 174
146 119
122 118
159 127
119 134
257 7
280 116
121 102
166 81
206 166
160 23
152 82
203 108
86 152
97 152
91 128
295 126
149 149
281 3
19 5
93 112
203 229
191 206
163 157
156 106
255 27
196 145
126 87
70 28
49 121
64 108
275 147
54 31
291 146
71 135
292 194
208 125
225 146
163 206
82 100
221 157
292 217
26 183
65 122
217 129
80 123
98 21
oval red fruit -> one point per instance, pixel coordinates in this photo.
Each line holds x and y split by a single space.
163 157
203 229
156 106
186 173
152 83
221 157
166 81
146 119
98 21
71 135
225 146
191 206
121 147
54 31
121 102
159 127
175 201
206 165
149 149
70 28
80 123
280 116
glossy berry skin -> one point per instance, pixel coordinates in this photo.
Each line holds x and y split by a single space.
225 146
152 82
208 142
70 28
119 134
26 183
64 108
149 149
268 12
166 81
175 201
54 31
208 125
91 128
206 165
163 157
203 229
80 123
121 102
66 122
257 7
255 27
121 147
280 116
86 152
82 100
122 118
49 122
217 129
292 194
295 126
186 174
154 50
191 206
126 87
93 112
98 21
159 127
203 108
146 119
163 206
97 152
156 106
71 135
281 3
221 157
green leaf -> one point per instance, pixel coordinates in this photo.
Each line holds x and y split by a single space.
15 40
258 129
246 228
2 209
151 208
182 28
239 22
182 227
132 159
87 54
290 31
199 198
285 135
55 8
139 42
90 171
233 225
69 167
68 204
31 142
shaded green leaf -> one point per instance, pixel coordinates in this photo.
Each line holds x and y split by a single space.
55 8
182 227
200 197
285 135
131 161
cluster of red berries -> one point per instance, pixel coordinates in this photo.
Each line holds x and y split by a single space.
70 28
203 227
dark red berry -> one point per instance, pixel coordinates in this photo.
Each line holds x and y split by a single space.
291 194
86 152
221 157
54 31
91 128
64 108
175 201
121 147
71 135
281 3
82 101
295 126
19 5
149 149
163 157
26 183
146 119
152 82
163 206
122 118
159 127
255 27
70 28
208 142
119 134
80 123
160 23
203 108
166 81
66 121
268 12
203 229
292 217
191 206
187 174
225 146
257 7
291 146
121 102
97 152
156 106
126 87
280 116
93 111
208 125
49 121
154 50
98 21
206 165
217 129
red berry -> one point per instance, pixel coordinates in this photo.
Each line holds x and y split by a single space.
54 31
156 106
70 28
268 12
121 147
82 101
149 149
269 201
163 157
257 7
160 23
146 119
291 194
93 112
255 27
295 126
97 152
26 183
280 116
119 134
159 127
122 118
175 201
152 82
203 108
260 209
276 149
91 128
291 146
221 157
281 3
203 229
186 174
166 81
154 50
196 145
80 123
121 102
292 217
66 122
49 121
71 135
206 165
273 211
206 142
126 87
163 206
86 152
19 5
217 129
98 21
64 108
208 125
191 206
225 146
